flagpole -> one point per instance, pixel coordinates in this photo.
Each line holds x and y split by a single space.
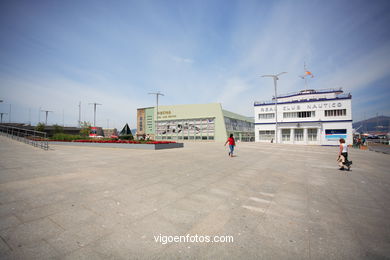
304 73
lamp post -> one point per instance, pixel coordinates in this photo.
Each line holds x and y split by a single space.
275 77
47 112
157 95
94 112
1 114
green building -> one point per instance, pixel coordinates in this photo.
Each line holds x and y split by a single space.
198 122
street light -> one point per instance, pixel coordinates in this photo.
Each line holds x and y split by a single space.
157 94
94 112
1 114
275 77
47 112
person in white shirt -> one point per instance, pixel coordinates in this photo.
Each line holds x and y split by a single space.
343 156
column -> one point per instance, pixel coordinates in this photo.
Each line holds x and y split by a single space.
292 135
319 136
305 135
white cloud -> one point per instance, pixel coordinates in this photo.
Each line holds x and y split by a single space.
362 71
233 88
182 60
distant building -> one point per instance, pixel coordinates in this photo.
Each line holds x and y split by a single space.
319 117
198 122
108 132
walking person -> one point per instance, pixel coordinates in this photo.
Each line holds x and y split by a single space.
232 143
343 156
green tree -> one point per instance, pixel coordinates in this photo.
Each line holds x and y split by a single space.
58 129
40 127
85 129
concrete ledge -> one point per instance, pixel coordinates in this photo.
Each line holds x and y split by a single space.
126 146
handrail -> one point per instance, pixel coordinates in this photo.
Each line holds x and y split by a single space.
271 102
32 137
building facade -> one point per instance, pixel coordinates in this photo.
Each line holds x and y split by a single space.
198 122
318 117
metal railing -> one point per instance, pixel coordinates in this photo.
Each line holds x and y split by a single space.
32 137
271 102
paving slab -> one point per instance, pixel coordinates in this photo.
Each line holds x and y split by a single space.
274 201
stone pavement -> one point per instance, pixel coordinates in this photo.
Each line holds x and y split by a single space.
277 201
380 148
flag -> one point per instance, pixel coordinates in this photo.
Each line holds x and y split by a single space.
308 73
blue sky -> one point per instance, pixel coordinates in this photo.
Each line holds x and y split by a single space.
54 54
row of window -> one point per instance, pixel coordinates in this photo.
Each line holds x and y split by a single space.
238 125
267 116
185 137
302 114
336 112
268 135
190 127
305 114
141 122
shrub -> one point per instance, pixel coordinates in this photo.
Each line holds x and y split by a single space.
85 129
66 137
126 137
58 129
40 127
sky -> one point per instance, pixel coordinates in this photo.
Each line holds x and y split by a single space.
55 54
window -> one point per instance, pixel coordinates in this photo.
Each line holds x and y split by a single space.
238 125
285 134
298 134
140 123
302 114
267 116
266 135
306 114
312 134
336 112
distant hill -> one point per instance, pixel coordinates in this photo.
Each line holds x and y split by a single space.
375 124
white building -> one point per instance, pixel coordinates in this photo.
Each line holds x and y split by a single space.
318 117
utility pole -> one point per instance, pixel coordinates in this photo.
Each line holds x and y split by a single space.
157 95
94 112
47 112
29 116
80 114
276 78
1 114
9 116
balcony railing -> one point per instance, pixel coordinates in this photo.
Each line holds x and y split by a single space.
270 102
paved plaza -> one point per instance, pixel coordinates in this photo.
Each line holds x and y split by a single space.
276 201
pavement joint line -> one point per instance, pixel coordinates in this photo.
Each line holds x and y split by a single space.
5 242
50 219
